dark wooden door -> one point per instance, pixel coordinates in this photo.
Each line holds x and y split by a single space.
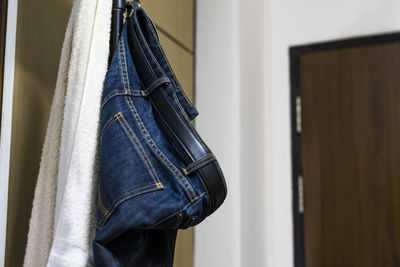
346 152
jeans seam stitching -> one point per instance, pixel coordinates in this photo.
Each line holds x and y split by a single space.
143 54
105 211
106 126
160 155
181 108
125 64
125 72
147 136
119 92
120 62
193 164
177 83
172 89
190 170
172 215
128 195
138 146
143 151
202 164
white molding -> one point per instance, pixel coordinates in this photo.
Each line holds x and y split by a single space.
217 239
6 120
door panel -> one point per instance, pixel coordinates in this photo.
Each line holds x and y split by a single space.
349 153
175 17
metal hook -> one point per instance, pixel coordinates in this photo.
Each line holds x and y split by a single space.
132 3
121 9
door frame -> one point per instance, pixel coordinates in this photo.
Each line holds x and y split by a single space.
295 53
6 115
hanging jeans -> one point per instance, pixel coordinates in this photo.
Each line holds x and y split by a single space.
137 220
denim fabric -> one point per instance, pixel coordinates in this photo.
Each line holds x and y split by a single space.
143 194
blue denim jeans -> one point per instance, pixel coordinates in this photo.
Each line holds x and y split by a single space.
143 195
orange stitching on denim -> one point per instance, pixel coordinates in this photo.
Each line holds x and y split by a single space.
165 58
157 184
199 166
172 90
138 146
193 164
144 152
177 83
162 157
139 121
170 216
183 112
113 204
120 92
105 127
176 80
126 63
120 62
186 185
127 195
144 131
151 54
134 142
105 211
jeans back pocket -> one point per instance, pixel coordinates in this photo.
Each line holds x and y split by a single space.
125 168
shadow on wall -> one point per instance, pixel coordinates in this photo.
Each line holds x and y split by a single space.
40 33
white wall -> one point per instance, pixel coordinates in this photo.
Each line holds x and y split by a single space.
230 82
242 93
217 71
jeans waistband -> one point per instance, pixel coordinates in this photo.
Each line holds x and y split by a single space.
144 41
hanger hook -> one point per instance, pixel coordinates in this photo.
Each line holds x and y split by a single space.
131 2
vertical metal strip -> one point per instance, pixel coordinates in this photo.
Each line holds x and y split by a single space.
298 217
6 120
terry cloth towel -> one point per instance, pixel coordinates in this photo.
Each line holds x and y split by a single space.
62 222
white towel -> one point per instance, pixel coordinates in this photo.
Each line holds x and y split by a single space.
62 221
